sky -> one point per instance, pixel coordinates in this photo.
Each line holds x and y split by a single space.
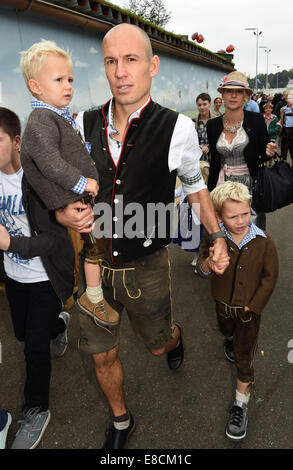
223 22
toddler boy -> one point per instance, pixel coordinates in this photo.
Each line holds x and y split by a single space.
56 162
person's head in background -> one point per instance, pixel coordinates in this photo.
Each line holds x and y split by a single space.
10 130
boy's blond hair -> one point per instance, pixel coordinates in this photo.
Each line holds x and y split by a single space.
229 190
33 59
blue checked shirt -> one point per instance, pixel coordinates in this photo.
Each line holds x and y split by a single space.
80 186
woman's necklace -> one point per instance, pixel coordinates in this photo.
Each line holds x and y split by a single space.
232 129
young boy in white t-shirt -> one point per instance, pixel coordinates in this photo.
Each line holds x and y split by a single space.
35 293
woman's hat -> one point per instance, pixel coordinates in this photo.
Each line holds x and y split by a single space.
235 80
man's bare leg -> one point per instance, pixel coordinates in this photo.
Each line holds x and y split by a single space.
110 376
172 343
109 373
174 349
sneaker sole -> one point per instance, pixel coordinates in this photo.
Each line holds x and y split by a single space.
236 438
97 320
42 432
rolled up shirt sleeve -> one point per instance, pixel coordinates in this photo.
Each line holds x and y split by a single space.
185 154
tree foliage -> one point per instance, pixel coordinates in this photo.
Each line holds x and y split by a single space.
150 10
283 79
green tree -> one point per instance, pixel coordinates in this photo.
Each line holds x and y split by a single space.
283 78
150 10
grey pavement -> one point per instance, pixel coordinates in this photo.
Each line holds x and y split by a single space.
186 409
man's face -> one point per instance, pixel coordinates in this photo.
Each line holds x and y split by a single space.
54 82
203 107
129 71
8 149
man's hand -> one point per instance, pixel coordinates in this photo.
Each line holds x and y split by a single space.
219 258
271 149
4 238
78 216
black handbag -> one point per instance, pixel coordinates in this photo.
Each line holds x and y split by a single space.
273 186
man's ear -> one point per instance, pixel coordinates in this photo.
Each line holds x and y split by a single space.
34 86
155 65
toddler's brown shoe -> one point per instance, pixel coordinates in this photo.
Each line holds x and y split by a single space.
102 313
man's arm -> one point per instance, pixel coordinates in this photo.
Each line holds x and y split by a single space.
201 203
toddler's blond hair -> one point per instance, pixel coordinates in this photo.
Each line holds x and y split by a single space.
33 59
230 190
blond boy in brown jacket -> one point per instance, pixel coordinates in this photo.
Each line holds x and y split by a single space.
242 291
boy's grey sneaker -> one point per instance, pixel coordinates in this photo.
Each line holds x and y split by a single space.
229 349
59 344
32 428
237 424
5 421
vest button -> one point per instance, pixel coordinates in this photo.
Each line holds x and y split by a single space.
118 181
116 201
115 253
115 235
115 219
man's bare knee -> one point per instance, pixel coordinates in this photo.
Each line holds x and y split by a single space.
157 352
105 359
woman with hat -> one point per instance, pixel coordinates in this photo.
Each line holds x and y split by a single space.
239 139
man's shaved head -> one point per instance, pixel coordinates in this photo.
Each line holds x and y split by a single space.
131 30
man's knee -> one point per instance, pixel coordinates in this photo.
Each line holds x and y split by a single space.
105 359
157 352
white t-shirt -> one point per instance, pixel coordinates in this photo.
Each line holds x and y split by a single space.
14 219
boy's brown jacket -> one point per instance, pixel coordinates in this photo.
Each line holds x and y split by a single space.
250 277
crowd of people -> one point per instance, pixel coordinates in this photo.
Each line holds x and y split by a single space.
62 168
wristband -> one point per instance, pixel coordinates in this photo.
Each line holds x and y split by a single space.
213 236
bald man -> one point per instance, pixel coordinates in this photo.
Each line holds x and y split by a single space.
139 148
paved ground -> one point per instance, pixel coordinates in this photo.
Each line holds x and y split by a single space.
187 409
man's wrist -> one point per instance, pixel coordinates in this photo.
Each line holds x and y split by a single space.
215 237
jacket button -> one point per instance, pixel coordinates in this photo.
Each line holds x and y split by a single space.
118 181
115 253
